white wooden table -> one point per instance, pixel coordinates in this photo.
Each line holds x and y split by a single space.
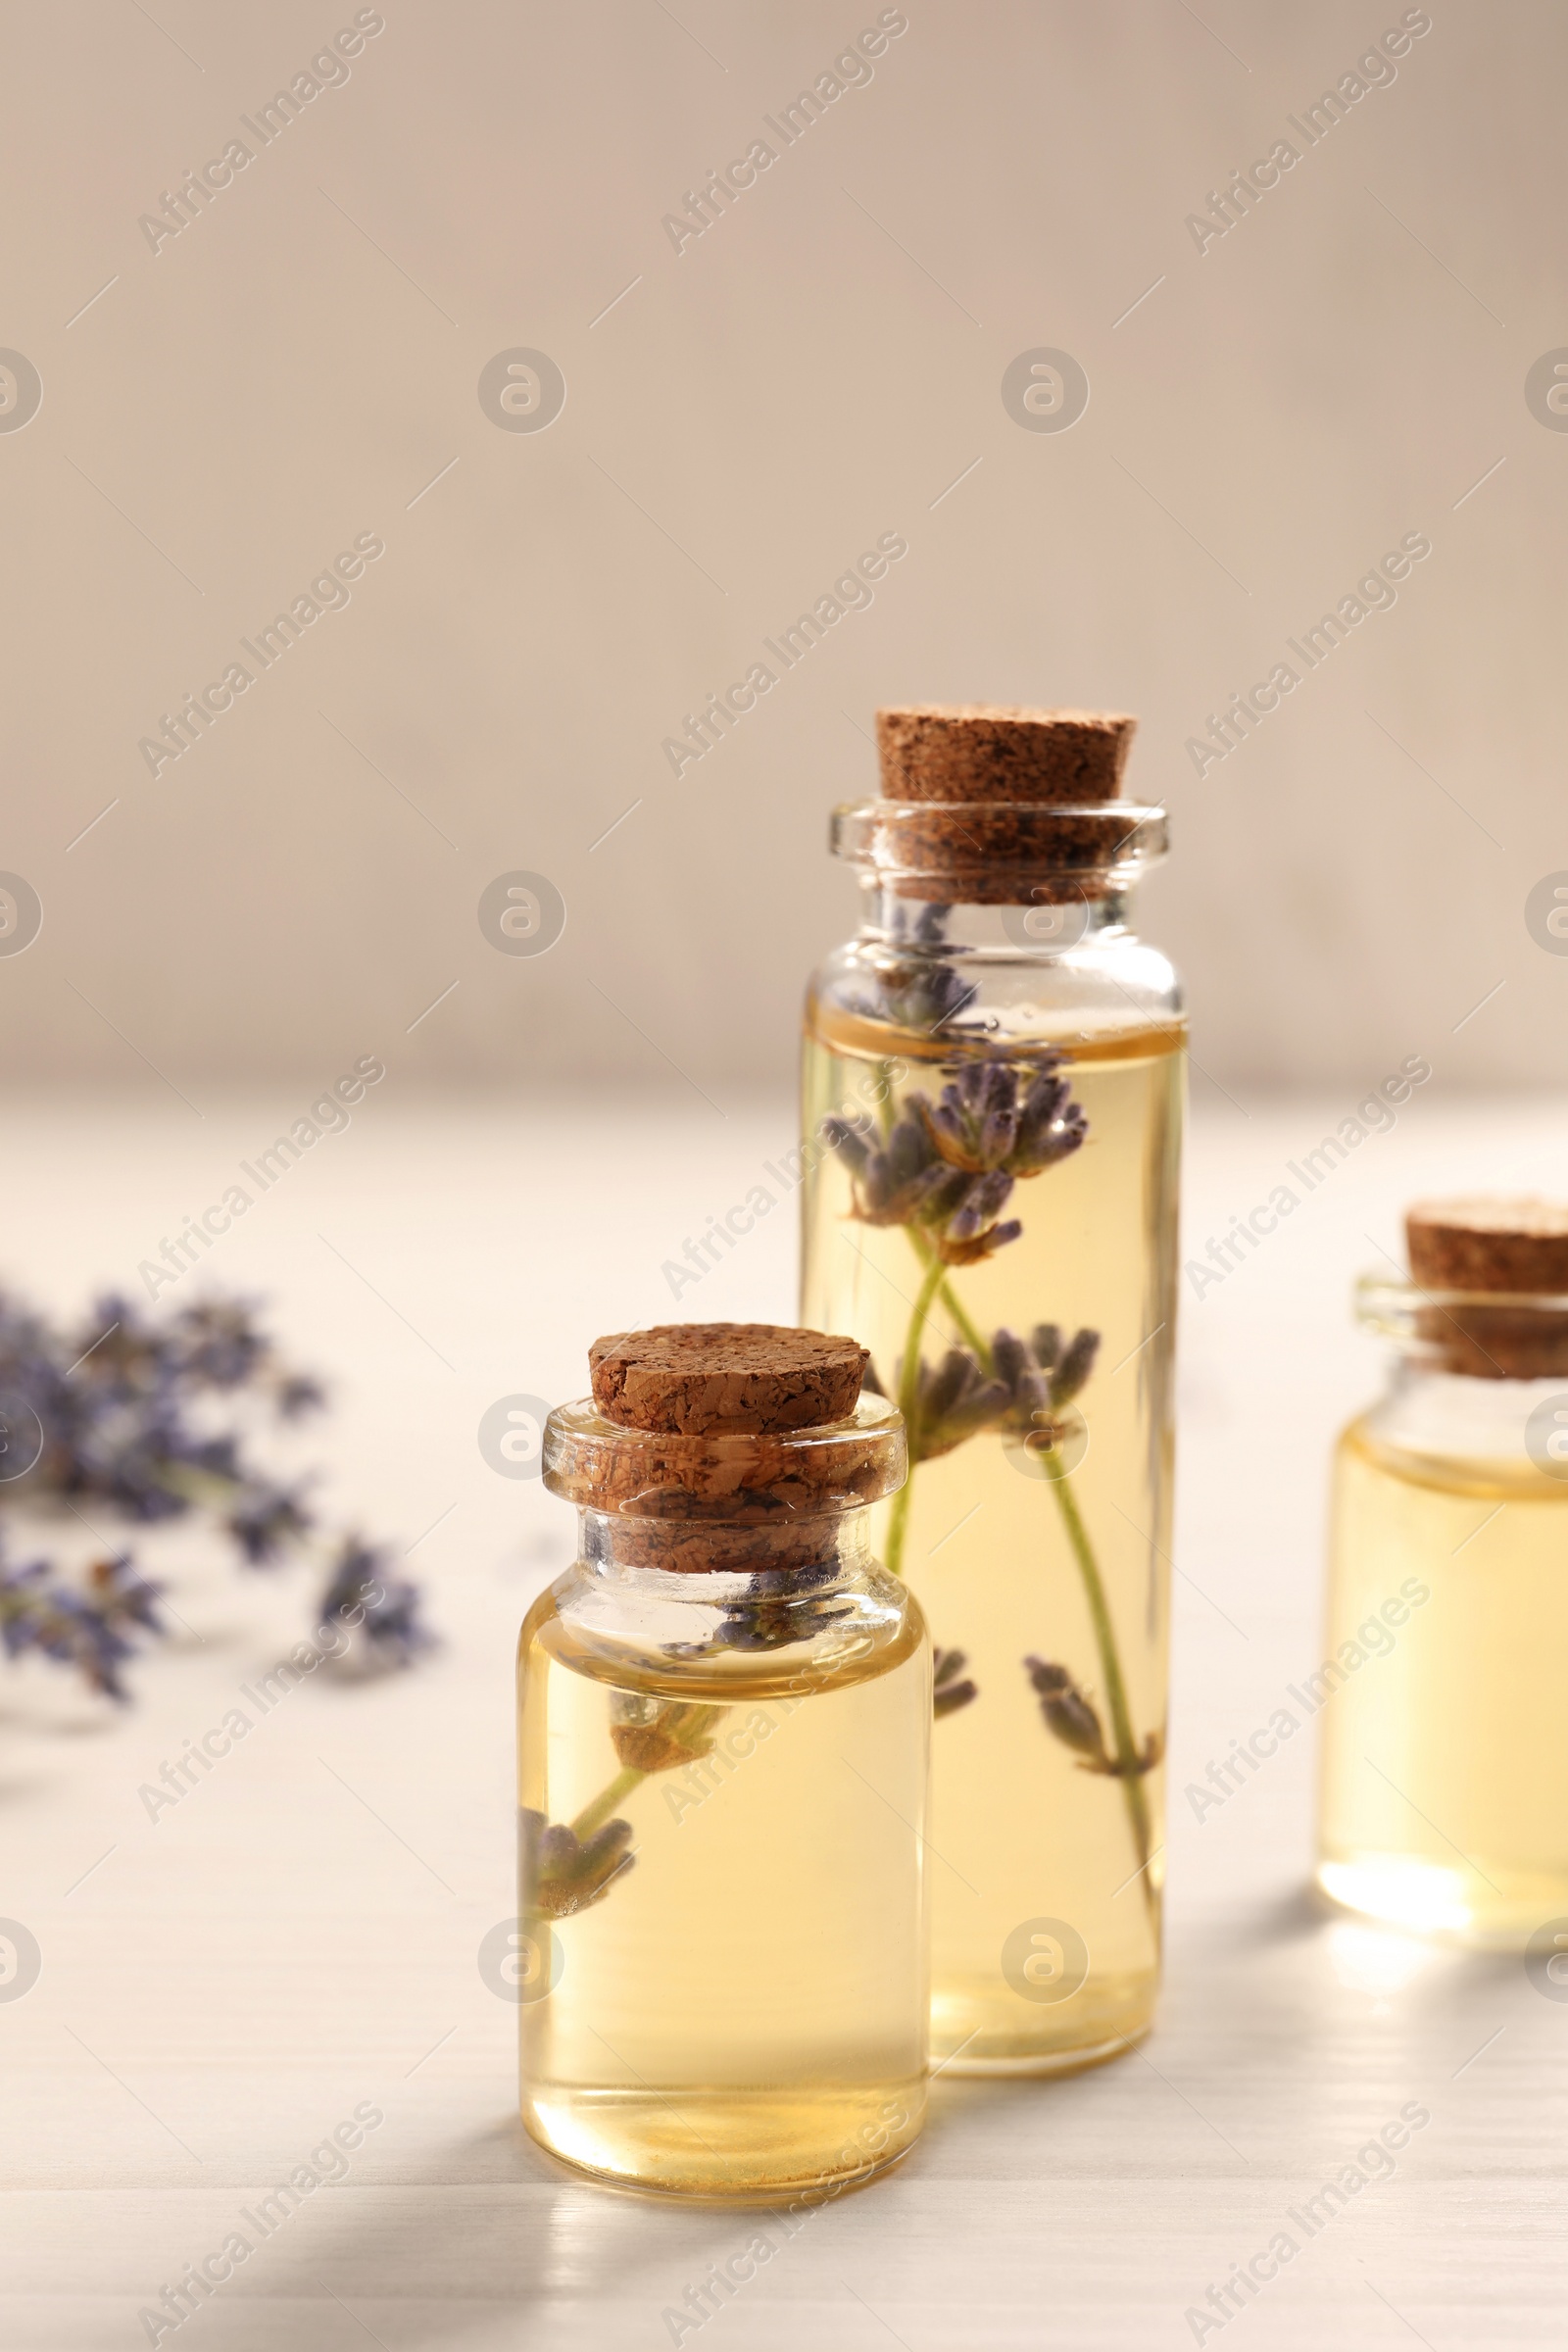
297 1938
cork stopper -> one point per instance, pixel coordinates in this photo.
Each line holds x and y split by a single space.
989 804
724 1446
735 1379
994 752
1490 1244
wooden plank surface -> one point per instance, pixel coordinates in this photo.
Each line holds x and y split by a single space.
297 1938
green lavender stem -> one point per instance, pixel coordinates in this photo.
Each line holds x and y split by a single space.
949 1299
1131 1773
908 1400
597 1811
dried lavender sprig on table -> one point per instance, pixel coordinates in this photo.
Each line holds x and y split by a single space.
88 1630
365 1594
118 1417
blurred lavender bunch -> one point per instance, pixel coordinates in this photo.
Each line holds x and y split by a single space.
363 1594
139 1419
89 1629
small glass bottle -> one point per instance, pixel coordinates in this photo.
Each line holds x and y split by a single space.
723 1752
1444 1683
993 1097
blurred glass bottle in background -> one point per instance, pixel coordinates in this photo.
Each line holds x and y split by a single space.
1443 1688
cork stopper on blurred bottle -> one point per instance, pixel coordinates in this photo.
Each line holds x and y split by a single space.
1478 1252
1024 805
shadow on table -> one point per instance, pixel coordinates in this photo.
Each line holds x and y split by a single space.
500 2234
492 2242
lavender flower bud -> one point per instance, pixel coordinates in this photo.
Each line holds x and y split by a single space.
947 1383
950 1693
1068 1714
849 1141
944 1195
984 1195
562 1874
1076 1367
1050 1126
654 1736
909 1151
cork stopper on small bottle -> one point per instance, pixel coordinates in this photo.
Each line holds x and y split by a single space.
724 1446
1491 1243
725 1379
994 752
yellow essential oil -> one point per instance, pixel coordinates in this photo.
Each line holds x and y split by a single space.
994 1546
992 1086
1444 1757
1445 1765
722 1789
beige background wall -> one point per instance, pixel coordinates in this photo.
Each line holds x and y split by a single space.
302 360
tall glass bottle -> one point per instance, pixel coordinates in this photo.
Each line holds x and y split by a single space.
993 1099
723 1750
1442 1684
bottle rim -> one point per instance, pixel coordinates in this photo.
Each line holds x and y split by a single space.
1488 1335
794 1473
1392 1306
983 849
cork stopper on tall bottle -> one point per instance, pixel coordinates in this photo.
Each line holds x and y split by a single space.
1491 1244
997 751
992 804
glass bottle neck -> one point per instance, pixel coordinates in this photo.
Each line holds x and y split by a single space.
715 1559
1061 917
1430 1410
